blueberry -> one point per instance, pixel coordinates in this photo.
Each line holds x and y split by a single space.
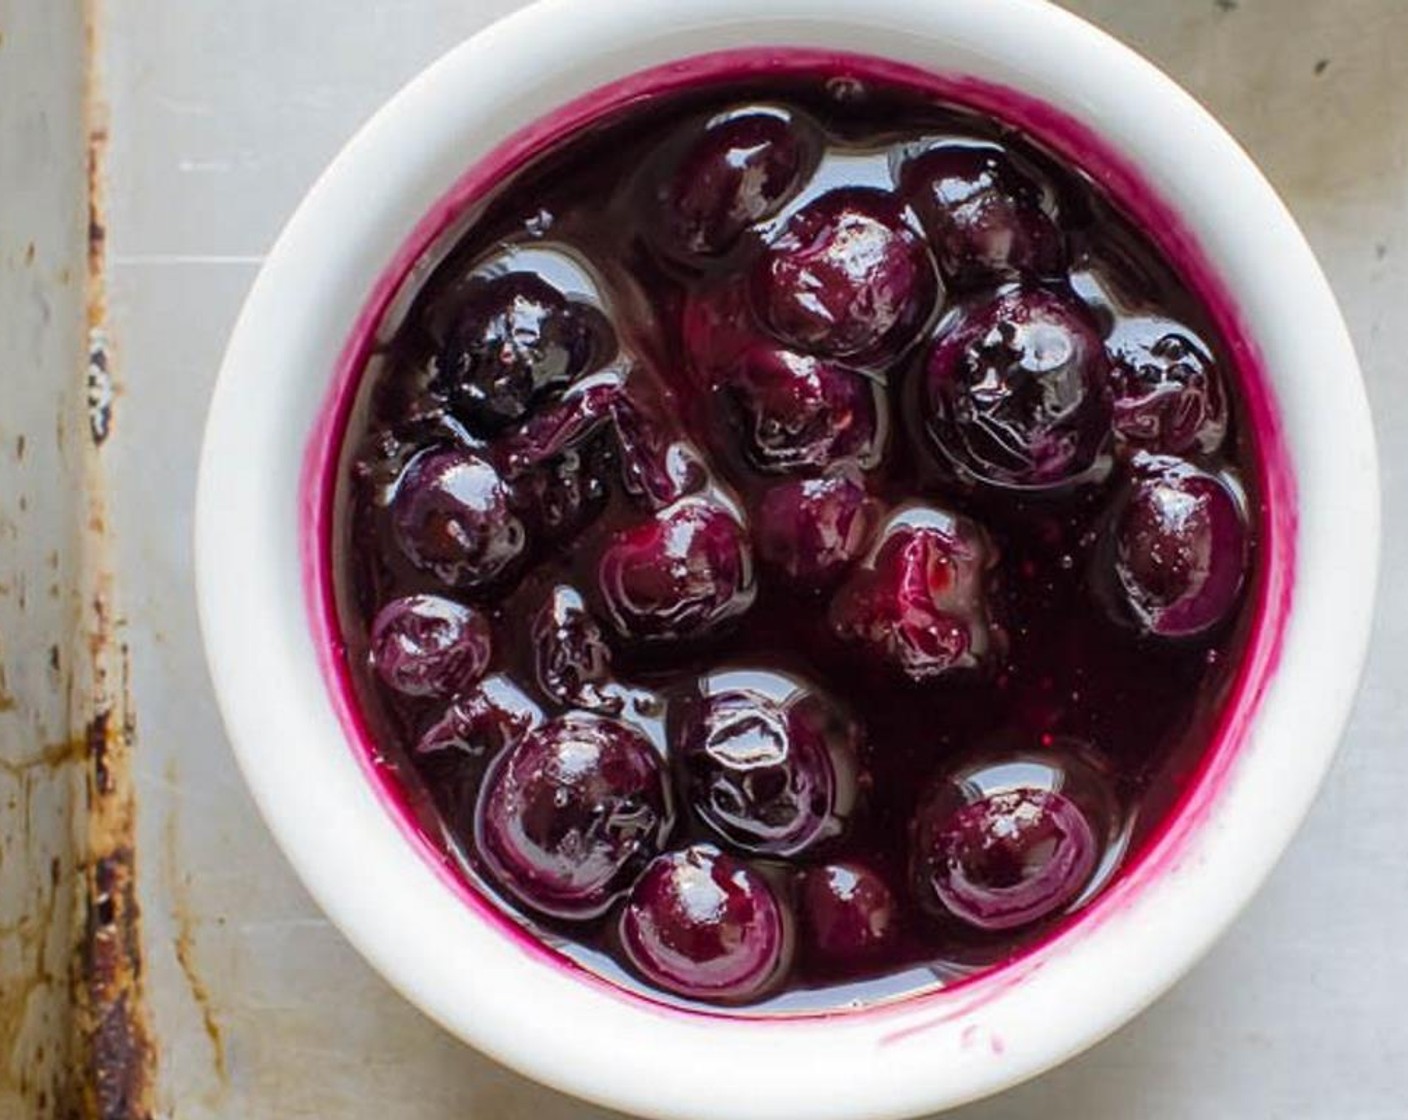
658 466
562 497
481 721
558 463
1174 554
426 645
769 763
849 915
514 340
796 412
811 530
1017 392
738 170
1168 394
681 574
450 516
846 278
569 815
560 427
702 925
1002 861
983 215
919 604
572 659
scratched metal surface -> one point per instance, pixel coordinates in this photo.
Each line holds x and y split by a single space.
74 1034
41 348
220 115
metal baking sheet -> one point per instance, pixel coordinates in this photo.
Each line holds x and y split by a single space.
157 958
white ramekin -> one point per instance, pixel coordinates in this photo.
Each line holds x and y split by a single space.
397 178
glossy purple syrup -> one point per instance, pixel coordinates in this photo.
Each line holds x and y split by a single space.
1034 679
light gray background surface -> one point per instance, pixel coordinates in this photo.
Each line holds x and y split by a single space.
222 112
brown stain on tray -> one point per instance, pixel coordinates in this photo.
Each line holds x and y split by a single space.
184 914
116 1058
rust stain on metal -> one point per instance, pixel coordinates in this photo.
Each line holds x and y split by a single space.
53 757
116 1050
116 1042
99 380
183 912
185 957
96 742
17 1000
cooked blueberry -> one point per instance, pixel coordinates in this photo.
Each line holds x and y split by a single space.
739 170
572 658
768 762
658 466
514 340
560 427
1175 553
812 529
983 216
703 925
846 278
481 721
569 815
1017 391
563 496
681 574
1003 861
450 516
848 914
796 412
920 602
1168 394
426 645
559 462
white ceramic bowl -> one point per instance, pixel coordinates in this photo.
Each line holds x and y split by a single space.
399 179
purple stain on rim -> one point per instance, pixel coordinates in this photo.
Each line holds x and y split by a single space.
1274 511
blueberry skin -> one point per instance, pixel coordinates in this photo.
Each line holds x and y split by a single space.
428 646
740 169
1002 862
1167 390
982 214
919 605
848 915
680 575
1016 392
571 658
846 278
792 412
1173 554
514 341
569 815
706 926
812 530
450 516
767 762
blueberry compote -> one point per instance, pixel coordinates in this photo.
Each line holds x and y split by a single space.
795 540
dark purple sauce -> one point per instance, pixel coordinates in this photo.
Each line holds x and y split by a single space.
1053 684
